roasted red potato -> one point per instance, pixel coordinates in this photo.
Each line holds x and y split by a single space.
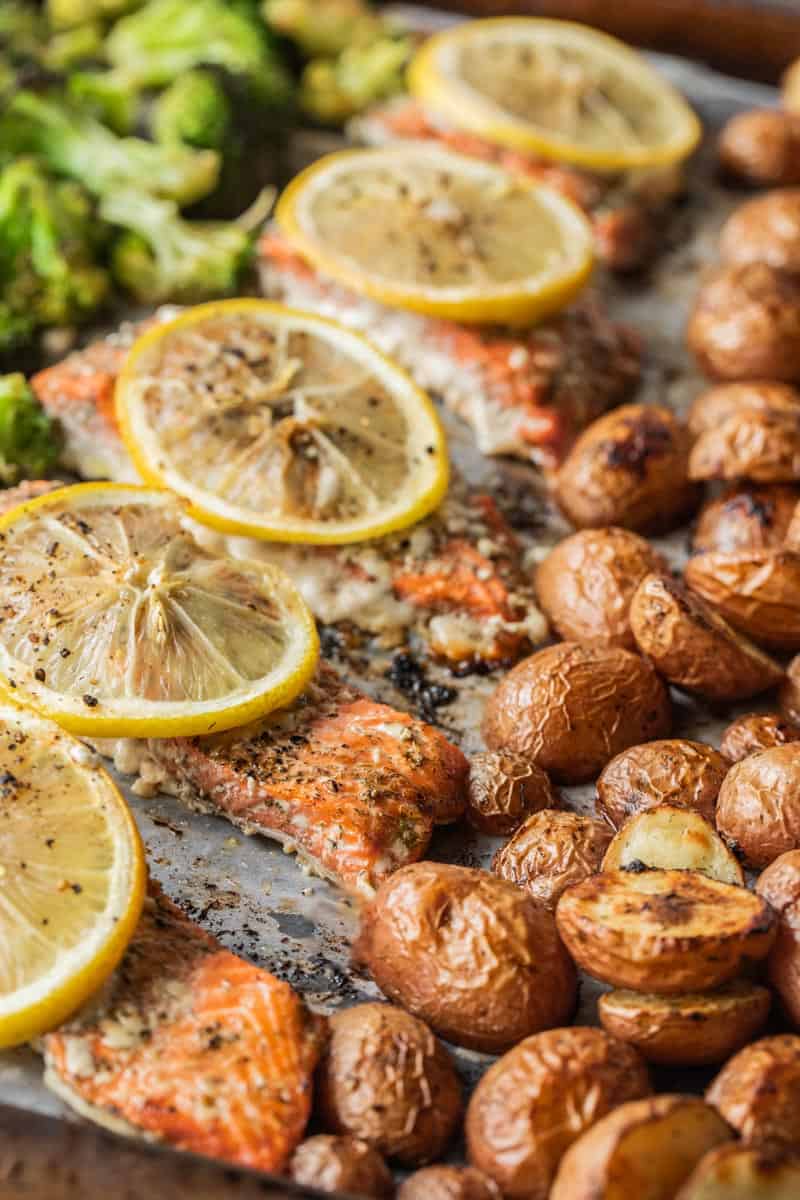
762 147
758 1091
758 809
671 771
551 851
766 229
503 789
746 517
756 731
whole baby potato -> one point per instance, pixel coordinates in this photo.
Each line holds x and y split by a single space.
756 591
746 517
551 851
670 771
412 1118
474 956
757 444
758 811
758 1091
762 147
571 708
585 585
449 1183
756 731
341 1164
739 1172
789 695
503 789
531 1105
746 324
766 229
779 884
716 404
628 468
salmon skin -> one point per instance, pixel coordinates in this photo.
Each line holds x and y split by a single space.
526 393
193 1046
353 786
627 211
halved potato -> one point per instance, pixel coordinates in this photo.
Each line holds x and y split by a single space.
716 404
758 592
758 1091
663 931
675 839
671 771
686 1031
645 1150
740 1172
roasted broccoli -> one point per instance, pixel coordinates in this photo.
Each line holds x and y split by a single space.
73 143
324 30
333 89
162 256
108 95
28 438
70 47
22 30
195 110
49 241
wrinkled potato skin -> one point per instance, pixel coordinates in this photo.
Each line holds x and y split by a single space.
746 324
341 1164
531 1105
474 956
449 1183
693 647
762 147
628 468
779 884
758 810
789 695
585 585
686 1031
756 731
663 931
645 1148
716 404
414 1119
571 708
505 788
672 771
766 229
756 444
758 1091
746 518
739 1172
758 592
550 852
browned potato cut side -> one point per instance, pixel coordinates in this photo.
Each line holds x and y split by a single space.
762 147
670 771
693 647
689 1031
449 1183
551 851
758 592
477 958
716 404
663 931
755 444
744 1173
673 839
758 811
503 789
531 1105
341 1164
645 1150
766 229
756 731
746 518
758 1091
571 708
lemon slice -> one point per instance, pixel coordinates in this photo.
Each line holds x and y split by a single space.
116 623
418 226
72 875
555 89
280 425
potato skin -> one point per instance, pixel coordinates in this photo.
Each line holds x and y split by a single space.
779 884
758 1091
746 518
766 229
449 1183
756 444
693 647
503 789
789 695
571 708
739 1172
531 1105
341 1164
761 147
745 324
671 771
477 958
756 731
663 931
550 852
716 404
628 468
758 810
370 1043
585 585
695 1030
758 592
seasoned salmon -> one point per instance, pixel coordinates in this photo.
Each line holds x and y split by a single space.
627 212
353 786
190 1045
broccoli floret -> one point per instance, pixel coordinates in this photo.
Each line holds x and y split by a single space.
166 38
22 30
72 46
108 95
49 241
324 30
195 110
161 256
28 438
64 14
73 143
334 89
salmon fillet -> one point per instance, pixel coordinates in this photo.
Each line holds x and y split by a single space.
627 212
523 392
190 1045
355 787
